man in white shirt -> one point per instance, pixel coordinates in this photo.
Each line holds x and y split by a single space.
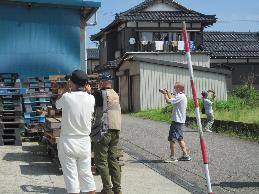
74 147
179 102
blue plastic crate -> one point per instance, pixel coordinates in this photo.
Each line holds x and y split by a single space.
35 119
47 84
23 90
27 115
3 91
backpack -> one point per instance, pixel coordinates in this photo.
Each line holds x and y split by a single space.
203 110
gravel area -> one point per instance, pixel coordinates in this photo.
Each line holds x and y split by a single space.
234 163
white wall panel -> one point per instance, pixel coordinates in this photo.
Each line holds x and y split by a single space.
155 76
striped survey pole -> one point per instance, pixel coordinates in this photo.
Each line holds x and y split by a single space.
197 112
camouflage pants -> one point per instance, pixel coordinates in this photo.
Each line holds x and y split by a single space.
105 156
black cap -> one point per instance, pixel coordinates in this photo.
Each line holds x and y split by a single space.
79 77
204 94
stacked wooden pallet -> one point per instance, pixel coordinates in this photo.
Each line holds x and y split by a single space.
35 103
52 130
9 80
11 121
37 84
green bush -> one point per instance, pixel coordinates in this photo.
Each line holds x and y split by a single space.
248 93
233 103
167 109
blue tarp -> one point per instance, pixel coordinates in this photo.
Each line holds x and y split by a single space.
39 41
73 3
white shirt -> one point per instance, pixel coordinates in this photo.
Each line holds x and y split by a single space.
179 102
207 106
77 111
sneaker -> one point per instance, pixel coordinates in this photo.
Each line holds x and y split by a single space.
185 158
170 160
207 130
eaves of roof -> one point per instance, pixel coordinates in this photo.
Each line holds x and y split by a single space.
175 64
68 3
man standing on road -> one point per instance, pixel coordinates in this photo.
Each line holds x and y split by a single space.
74 147
179 102
105 136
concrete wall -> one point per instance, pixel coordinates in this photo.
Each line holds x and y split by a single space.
241 70
198 59
39 41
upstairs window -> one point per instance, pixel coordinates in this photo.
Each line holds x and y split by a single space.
161 36
146 36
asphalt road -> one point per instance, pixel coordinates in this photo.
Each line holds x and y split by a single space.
234 163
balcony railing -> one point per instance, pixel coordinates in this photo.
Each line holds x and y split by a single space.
163 46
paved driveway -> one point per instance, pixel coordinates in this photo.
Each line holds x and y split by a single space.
234 163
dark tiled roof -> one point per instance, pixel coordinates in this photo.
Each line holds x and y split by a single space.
138 14
109 65
231 44
93 53
168 16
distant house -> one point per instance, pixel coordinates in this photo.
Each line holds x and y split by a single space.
93 59
143 48
43 37
236 51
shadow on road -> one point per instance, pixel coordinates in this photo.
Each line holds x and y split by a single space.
34 160
237 185
42 189
25 157
149 161
39 169
190 131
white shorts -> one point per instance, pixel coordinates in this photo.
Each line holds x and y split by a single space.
74 153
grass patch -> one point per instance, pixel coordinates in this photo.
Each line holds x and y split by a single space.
235 109
246 115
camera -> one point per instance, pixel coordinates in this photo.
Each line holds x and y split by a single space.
162 91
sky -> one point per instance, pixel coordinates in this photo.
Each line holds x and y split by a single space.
233 15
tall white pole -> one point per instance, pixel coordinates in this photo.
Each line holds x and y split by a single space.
197 112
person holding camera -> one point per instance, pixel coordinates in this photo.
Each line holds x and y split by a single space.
179 102
74 146
207 104
105 136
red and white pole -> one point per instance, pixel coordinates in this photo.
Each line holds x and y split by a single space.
197 112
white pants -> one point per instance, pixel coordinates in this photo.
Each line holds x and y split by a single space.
74 153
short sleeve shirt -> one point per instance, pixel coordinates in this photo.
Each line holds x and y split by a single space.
207 106
179 102
77 112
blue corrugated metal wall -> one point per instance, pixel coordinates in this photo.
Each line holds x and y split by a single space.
39 41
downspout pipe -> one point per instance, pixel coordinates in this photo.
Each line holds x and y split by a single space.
93 23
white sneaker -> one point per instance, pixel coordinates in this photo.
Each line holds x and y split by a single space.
170 160
207 130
